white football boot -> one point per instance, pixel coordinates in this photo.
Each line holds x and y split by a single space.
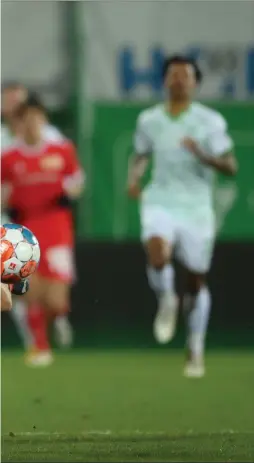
37 359
63 332
194 366
164 326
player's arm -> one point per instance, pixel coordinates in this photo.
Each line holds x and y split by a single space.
74 178
219 154
74 186
18 289
137 167
6 298
225 163
139 161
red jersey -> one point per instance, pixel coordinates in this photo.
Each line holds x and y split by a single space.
39 175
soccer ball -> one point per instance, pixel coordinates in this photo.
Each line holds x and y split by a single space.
20 253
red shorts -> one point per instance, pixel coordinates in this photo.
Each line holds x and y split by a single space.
55 234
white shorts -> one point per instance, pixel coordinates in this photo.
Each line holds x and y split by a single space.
193 242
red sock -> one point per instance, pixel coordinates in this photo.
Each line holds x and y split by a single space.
36 318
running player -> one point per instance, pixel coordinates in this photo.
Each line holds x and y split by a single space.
13 94
188 142
44 177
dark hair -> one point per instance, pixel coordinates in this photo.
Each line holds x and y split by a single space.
181 59
33 102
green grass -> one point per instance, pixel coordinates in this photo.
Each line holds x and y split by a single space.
128 406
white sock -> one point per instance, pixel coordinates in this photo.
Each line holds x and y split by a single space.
197 311
19 316
61 320
161 281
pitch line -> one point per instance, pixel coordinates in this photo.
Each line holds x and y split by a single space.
109 432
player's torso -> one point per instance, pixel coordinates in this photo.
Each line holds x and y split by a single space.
178 177
36 176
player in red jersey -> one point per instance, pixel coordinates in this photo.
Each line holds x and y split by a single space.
13 94
43 178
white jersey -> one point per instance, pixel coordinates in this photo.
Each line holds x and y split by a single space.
6 137
50 133
180 182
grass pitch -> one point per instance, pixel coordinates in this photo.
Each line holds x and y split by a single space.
128 406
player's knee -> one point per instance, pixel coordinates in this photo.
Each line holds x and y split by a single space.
157 252
195 283
57 298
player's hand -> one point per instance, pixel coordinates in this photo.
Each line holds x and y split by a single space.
20 287
192 146
6 299
133 190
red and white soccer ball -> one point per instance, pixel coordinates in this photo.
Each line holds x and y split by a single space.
20 253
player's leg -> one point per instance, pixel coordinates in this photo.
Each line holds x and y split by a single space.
57 297
19 316
158 238
39 350
197 306
19 310
57 301
59 276
195 252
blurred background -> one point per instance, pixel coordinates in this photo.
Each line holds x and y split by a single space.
96 65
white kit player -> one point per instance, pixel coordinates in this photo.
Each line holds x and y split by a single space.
13 95
188 142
